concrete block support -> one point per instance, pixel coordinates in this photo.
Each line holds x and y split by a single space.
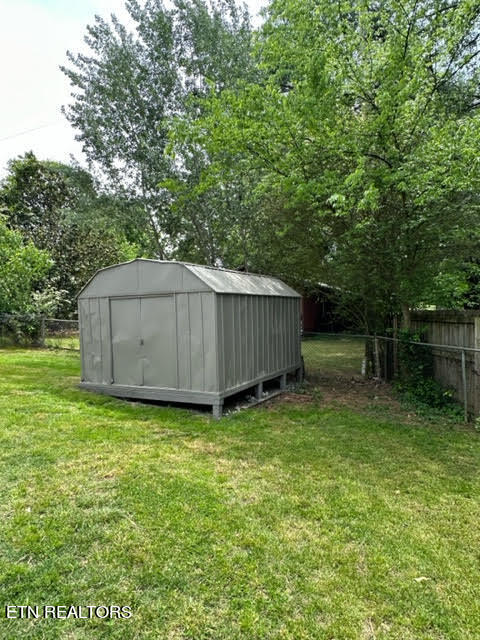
217 410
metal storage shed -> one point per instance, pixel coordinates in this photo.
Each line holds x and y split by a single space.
181 332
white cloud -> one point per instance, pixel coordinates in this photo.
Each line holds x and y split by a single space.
34 37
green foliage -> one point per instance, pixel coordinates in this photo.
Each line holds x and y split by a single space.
58 208
416 360
47 301
415 382
362 129
23 267
21 330
34 193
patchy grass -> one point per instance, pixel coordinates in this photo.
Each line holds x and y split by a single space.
290 521
71 342
335 355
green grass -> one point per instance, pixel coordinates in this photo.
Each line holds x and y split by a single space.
337 355
296 521
63 342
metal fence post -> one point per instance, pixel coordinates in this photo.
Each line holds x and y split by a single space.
464 382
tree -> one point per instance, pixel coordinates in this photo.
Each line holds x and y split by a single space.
22 268
363 130
58 209
128 90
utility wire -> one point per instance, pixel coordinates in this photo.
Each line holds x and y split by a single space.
22 133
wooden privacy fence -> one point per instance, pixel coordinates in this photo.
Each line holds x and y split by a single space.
459 329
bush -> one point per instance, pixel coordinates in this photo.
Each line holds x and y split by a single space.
415 381
22 268
20 330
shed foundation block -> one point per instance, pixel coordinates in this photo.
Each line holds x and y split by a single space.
217 410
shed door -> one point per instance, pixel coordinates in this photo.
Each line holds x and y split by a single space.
144 341
159 349
125 322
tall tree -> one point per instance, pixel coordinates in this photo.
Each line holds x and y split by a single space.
364 132
128 89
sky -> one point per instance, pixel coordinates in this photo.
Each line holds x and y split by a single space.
34 37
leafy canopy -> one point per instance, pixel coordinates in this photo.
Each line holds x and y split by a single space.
57 208
363 130
127 90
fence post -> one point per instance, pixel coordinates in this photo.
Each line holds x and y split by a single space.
464 382
476 367
42 331
395 346
385 360
378 373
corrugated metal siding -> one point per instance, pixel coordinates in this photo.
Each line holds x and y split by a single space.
141 324
91 339
257 335
196 341
164 341
142 277
106 353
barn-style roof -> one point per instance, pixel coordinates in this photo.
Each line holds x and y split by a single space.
141 276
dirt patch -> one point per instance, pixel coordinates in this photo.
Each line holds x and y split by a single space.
292 398
352 392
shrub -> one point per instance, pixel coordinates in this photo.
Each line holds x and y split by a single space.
415 381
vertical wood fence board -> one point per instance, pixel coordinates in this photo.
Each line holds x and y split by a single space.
454 328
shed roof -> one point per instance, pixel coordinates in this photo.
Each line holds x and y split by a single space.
227 281
213 278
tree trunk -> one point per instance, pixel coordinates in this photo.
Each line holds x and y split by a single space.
406 316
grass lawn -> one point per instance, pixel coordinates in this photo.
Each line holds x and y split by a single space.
295 520
333 355
63 342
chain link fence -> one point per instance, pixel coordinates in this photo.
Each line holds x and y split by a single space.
61 334
455 368
38 331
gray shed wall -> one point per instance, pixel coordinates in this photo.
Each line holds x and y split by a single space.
258 336
178 331
179 351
